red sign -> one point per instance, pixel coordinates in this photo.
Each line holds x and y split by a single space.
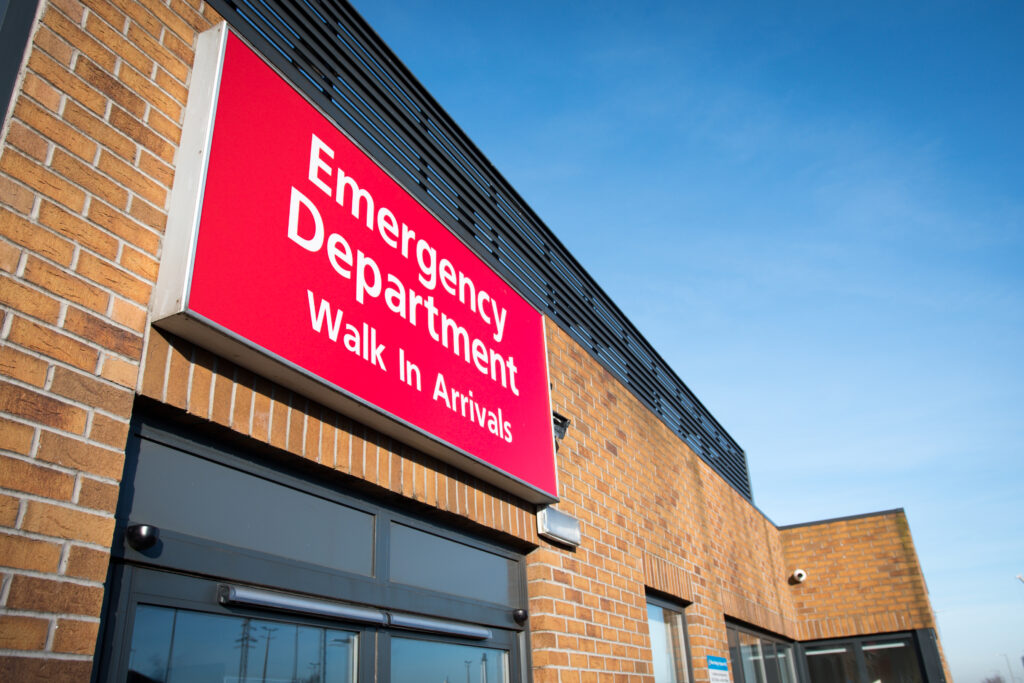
308 252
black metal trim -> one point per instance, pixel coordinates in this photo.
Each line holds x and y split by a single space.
330 53
16 17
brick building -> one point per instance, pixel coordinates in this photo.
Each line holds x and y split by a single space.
181 501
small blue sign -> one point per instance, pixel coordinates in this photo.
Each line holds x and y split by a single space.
718 663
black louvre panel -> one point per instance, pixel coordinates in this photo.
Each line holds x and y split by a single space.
329 52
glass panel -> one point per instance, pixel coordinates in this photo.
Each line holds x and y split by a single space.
734 654
771 665
831 664
752 659
170 645
248 512
787 665
429 561
892 661
668 644
420 661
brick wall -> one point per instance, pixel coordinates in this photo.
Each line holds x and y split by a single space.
85 169
862 576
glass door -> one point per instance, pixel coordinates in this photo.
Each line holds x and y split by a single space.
171 645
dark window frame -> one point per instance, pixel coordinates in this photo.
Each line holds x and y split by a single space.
736 665
928 659
16 19
664 601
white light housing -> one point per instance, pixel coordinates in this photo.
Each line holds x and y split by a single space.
559 527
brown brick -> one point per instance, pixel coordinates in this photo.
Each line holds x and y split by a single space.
82 119
110 276
80 455
125 228
89 179
15 436
57 597
65 285
164 126
55 46
37 670
66 82
29 477
179 47
156 169
56 130
176 390
81 232
141 134
72 8
87 563
19 552
100 332
138 13
36 407
67 30
45 182
62 522
98 495
115 41
16 196
155 367
132 179
9 506
41 91
23 633
27 140
200 386
129 314
42 242
171 20
152 94
119 371
91 391
139 263
167 59
22 367
173 86
109 431
188 12
53 344
147 214
109 86
113 16
75 636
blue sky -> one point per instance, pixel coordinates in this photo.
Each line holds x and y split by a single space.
815 213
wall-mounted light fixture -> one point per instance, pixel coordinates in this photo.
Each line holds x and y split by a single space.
561 425
559 527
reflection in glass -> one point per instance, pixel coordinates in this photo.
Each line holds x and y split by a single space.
891 661
787 665
170 645
422 661
751 658
668 644
831 664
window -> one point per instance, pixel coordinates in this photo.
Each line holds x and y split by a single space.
760 658
874 659
669 649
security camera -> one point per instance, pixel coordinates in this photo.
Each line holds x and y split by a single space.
799 575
